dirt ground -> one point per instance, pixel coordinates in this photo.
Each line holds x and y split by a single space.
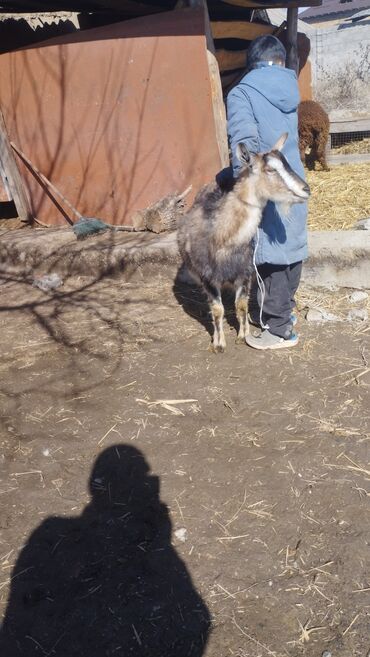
230 519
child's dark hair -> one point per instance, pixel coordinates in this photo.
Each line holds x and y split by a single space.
265 48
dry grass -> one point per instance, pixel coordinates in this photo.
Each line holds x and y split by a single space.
340 197
360 146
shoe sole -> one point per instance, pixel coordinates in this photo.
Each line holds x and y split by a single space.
285 344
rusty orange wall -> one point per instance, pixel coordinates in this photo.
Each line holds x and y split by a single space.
117 117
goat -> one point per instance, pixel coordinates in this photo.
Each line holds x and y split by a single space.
313 130
215 235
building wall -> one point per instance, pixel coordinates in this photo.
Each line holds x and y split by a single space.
340 58
116 117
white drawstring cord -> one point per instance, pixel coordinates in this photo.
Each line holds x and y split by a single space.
260 283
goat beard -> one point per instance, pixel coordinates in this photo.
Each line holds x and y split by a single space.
284 209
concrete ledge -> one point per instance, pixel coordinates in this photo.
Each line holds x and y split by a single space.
339 258
40 251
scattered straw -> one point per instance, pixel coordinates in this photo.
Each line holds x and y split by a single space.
362 590
251 638
350 625
136 634
107 433
306 631
231 538
168 404
339 197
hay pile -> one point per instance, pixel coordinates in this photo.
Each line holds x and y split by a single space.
339 197
360 146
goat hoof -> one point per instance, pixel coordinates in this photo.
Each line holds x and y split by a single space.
216 349
240 339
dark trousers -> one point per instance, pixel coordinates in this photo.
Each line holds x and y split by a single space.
281 283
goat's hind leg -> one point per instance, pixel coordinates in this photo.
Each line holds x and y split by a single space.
217 312
241 308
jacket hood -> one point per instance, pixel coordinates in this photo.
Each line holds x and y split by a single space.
277 84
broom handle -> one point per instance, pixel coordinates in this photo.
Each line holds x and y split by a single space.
45 180
57 192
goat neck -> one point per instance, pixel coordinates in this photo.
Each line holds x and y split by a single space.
242 213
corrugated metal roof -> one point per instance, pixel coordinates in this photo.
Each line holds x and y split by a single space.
38 19
359 15
333 7
277 16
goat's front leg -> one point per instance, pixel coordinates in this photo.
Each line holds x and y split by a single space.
241 308
217 312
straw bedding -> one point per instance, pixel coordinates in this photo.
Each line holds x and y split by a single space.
353 147
339 197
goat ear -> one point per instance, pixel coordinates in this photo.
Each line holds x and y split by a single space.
280 142
243 154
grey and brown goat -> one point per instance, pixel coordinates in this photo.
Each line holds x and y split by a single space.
215 236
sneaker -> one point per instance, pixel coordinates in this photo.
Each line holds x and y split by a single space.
267 340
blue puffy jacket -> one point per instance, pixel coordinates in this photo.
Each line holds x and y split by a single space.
259 109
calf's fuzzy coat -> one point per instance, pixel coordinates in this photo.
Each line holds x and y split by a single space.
313 130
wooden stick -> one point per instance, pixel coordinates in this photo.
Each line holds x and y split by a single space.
45 180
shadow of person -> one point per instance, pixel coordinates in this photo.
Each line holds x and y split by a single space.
108 582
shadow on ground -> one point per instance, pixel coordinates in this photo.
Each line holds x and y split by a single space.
107 582
193 301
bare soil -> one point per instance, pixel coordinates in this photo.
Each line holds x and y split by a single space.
160 500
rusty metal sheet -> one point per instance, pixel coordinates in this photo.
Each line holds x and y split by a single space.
116 117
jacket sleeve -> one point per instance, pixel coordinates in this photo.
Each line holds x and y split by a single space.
241 125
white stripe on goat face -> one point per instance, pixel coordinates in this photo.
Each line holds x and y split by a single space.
289 179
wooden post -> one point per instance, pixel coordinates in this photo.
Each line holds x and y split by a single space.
219 113
292 31
9 171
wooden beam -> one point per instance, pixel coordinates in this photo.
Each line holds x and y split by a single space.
352 125
268 4
12 178
350 158
134 6
230 80
239 30
219 113
228 60
292 39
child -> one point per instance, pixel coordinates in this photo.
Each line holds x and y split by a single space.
260 108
